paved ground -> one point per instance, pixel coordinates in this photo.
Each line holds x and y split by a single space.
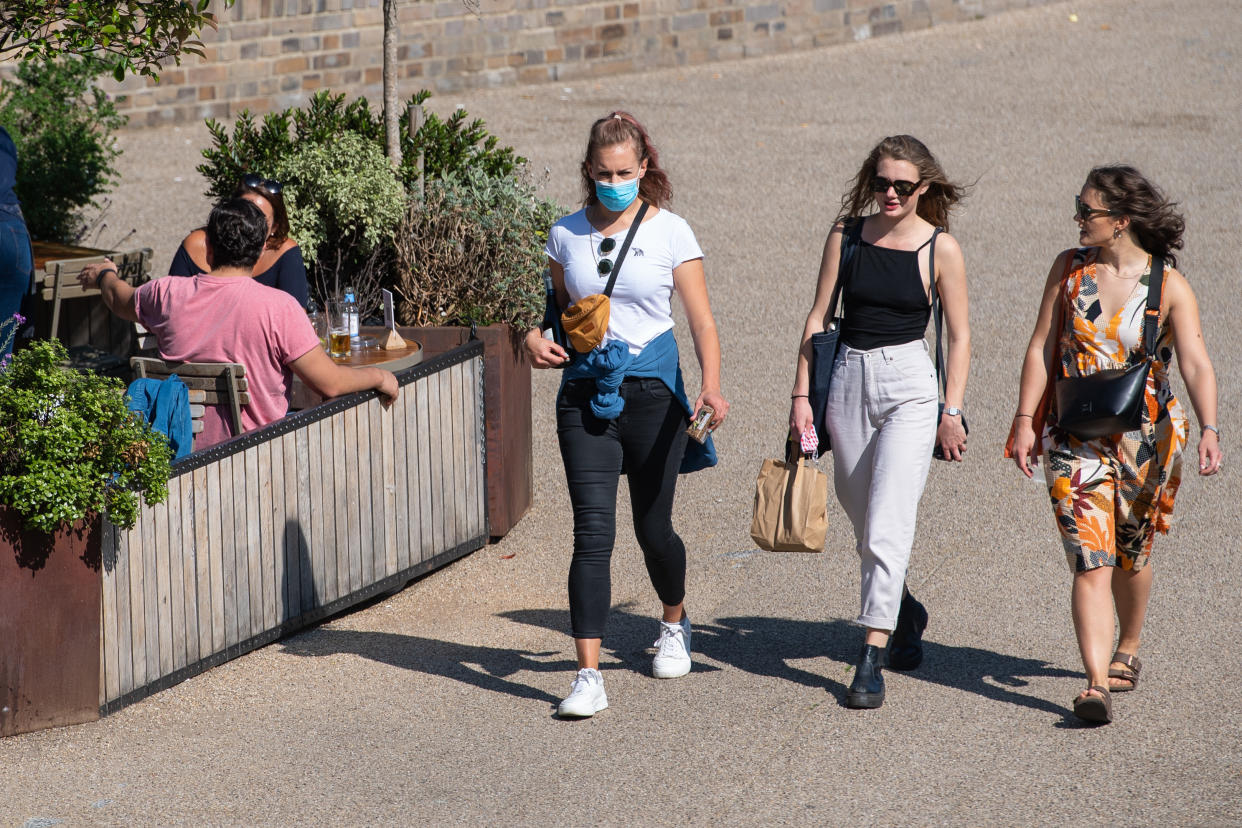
435 706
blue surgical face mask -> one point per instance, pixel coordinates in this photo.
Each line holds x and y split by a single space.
617 197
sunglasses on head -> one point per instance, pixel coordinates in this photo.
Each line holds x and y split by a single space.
880 184
255 181
605 265
1083 212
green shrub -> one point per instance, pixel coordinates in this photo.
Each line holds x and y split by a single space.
448 145
331 157
69 447
62 125
343 203
473 251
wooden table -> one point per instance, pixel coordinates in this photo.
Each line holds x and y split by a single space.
45 252
394 359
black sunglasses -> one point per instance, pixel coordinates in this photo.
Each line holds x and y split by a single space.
605 265
1083 212
903 188
255 181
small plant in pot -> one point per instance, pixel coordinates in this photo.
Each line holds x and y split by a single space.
70 450
70 453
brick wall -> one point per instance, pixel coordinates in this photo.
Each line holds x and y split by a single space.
272 54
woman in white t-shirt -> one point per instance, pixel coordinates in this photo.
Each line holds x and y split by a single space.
622 407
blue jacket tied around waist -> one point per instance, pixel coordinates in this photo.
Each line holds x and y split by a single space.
165 406
609 365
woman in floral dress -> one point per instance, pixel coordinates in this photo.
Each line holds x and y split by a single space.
1111 495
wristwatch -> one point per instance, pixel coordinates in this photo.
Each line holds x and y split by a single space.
950 411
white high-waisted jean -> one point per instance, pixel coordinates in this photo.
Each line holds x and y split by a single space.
882 420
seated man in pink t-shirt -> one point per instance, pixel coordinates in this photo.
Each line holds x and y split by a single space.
226 316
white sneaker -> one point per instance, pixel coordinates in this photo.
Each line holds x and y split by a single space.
586 696
672 658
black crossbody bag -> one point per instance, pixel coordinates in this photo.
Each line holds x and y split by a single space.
1112 401
942 372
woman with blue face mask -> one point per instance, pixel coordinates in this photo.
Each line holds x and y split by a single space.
622 407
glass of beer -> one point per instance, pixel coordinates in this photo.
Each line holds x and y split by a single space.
338 330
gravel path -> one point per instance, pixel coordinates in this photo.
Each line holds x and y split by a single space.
435 705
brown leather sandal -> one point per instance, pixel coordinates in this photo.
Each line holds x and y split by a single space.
1129 673
1095 709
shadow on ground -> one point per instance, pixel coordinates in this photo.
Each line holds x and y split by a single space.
763 646
766 646
487 668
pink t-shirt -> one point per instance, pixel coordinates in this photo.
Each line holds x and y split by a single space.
230 319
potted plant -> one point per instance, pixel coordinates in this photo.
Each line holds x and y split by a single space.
464 250
470 258
70 453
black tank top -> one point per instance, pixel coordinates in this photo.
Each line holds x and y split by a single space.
885 303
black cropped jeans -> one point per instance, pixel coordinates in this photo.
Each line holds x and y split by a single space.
646 443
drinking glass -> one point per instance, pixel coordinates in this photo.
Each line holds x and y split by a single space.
338 329
319 321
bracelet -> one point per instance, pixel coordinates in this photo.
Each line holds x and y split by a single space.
1016 416
1210 428
796 396
103 273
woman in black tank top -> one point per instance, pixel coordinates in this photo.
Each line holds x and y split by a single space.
882 405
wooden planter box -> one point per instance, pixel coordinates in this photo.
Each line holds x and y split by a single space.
49 625
260 536
507 402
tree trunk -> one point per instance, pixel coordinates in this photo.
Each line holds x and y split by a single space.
392 118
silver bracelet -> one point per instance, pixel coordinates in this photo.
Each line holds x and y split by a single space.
1210 428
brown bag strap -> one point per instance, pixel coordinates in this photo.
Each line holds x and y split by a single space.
629 237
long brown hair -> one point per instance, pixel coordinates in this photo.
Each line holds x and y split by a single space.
620 128
934 205
280 216
1156 225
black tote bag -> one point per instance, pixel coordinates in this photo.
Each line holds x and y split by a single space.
825 343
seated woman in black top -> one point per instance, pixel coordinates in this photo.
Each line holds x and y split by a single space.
281 264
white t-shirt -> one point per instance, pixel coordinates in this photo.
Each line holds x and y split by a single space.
641 307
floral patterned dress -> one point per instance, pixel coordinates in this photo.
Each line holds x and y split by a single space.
1111 495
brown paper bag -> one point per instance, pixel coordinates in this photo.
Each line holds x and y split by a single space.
791 507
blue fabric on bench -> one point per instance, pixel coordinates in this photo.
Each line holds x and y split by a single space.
165 406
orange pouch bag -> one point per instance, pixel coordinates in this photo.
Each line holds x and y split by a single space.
586 320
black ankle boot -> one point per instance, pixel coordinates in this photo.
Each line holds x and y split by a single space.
867 689
905 648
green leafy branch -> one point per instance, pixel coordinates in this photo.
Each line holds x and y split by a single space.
129 37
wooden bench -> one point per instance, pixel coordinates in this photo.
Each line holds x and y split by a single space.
96 339
60 279
209 383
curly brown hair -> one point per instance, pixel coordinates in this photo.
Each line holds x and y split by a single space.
619 127
1156 225
934 205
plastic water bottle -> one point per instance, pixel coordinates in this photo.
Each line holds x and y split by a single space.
351 311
